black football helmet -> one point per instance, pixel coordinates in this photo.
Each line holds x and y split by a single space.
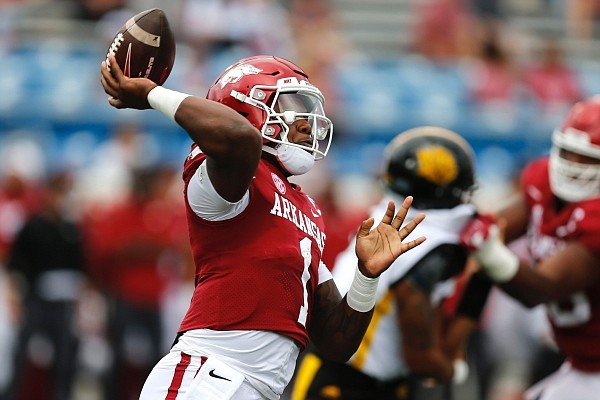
434 165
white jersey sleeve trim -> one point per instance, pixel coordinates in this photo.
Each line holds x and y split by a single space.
207 203
324 273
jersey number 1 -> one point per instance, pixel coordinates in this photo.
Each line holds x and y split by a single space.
305 246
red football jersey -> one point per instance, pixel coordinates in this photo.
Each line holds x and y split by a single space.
258 270
575 323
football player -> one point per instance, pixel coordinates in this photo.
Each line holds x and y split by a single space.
558 211
257 239
403 345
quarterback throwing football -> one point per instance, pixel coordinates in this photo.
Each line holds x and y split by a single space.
261 289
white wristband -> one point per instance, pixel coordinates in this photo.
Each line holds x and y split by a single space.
461 371
165 100
361 295
497 261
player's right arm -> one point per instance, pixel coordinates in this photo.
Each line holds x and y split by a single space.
417 319
232 145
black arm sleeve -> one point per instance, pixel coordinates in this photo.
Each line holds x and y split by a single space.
439 264
474 297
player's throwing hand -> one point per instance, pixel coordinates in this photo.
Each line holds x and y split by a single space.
125 92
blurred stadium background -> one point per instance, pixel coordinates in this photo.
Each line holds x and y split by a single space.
500 72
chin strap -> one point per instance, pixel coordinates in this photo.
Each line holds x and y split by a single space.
292 159
270 150
273 152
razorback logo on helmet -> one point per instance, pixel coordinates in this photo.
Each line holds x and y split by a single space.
236 73
437 164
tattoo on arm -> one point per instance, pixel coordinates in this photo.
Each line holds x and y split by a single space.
335 327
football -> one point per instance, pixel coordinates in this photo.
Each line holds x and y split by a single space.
145 46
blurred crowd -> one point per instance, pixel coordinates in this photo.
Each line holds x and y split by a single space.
99 264
95 269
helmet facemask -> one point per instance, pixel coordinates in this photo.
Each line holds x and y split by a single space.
570 180
574 167
287 102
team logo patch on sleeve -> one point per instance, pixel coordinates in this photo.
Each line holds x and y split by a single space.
278 183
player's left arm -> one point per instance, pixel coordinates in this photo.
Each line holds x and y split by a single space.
336 328
337 325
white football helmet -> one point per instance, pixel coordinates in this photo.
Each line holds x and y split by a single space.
571 180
